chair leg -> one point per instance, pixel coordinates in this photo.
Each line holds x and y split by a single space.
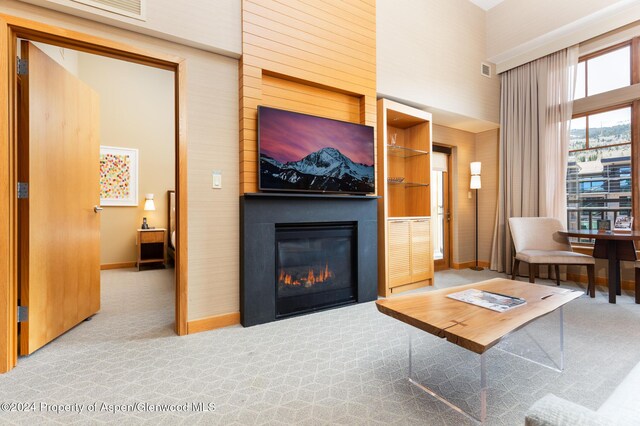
591 274
516 266
557 270
637 285
533 268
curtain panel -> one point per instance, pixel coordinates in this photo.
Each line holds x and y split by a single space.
536 103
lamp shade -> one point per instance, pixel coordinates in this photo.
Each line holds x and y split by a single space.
475 182
149 205
476 166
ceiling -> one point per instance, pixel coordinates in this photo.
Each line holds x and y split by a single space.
486 4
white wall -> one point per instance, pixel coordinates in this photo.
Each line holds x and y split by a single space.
429 54
213 25
519 31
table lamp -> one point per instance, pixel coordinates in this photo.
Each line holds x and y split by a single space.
149 205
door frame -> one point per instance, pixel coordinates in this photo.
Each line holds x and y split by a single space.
12 28
449 194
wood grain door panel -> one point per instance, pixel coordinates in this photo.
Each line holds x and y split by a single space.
399 253
421 251
59 152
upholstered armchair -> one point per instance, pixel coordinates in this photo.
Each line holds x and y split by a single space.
537 242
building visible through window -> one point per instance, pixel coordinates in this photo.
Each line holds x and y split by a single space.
599 169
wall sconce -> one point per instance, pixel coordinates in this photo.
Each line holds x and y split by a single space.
149 205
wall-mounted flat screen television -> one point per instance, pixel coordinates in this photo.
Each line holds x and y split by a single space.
300 152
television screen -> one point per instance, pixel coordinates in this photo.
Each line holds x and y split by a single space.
300 152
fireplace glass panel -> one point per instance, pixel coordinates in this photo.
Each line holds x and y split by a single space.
315 267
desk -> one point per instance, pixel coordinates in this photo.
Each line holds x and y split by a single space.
474 328
614 247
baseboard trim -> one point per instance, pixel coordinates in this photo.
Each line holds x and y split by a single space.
602 281
465 265
119 265
211 323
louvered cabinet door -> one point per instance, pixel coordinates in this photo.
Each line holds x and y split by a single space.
399 253
421 253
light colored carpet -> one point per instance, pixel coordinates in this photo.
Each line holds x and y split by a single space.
343 366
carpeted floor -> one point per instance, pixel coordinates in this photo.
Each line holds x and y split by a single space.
343 366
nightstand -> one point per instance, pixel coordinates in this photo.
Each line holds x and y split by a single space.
151 246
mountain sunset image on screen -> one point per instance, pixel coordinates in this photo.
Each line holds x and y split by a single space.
300 152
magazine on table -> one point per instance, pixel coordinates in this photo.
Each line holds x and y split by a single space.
486 299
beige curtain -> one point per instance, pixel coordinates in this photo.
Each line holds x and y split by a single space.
561 69
535 112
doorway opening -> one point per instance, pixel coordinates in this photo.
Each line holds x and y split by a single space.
12 29
441 200
108 128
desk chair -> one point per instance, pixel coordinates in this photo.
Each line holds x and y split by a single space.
537 242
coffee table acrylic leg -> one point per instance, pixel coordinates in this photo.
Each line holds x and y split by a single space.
557 364
553 361
561 339
410 355
483 386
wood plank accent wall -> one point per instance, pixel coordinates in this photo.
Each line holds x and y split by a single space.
312 57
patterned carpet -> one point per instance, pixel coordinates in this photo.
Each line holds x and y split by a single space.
344 366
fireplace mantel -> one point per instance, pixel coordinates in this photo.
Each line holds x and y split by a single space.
261 212
328 196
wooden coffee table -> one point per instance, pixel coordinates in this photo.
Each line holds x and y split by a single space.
475 328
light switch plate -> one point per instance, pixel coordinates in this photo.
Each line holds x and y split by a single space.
216 179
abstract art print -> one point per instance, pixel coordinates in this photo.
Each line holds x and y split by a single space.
118 176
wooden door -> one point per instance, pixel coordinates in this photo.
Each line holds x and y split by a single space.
399 253
59 231
421 251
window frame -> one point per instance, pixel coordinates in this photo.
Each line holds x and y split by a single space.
602 52
634 104
600 111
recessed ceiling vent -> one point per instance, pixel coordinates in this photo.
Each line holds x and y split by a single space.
485 69
131 8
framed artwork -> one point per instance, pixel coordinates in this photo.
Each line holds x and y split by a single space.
623 223
118 176
604 225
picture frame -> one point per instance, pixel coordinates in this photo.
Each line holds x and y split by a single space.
604 225
118 176
623 223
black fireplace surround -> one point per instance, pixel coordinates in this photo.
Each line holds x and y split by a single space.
277 231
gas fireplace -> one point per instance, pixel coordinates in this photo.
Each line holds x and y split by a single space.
300 253
315 267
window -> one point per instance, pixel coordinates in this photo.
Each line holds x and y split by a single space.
599 172
599 169
604 71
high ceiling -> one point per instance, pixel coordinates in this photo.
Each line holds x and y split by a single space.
486 4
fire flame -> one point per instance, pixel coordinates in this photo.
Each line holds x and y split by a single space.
311 278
